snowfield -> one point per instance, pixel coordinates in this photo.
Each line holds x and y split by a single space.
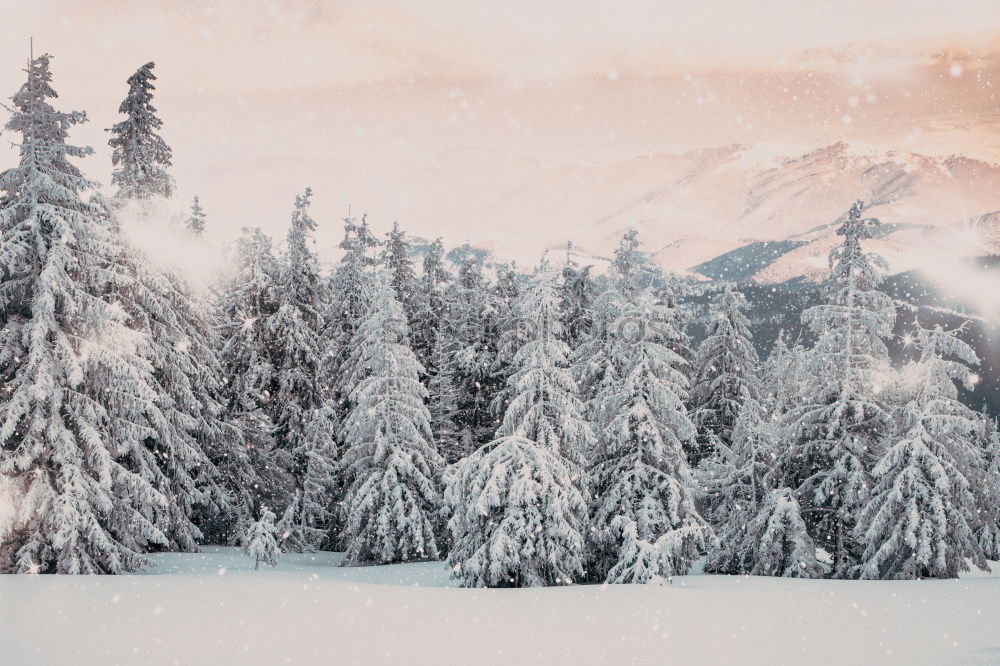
212 608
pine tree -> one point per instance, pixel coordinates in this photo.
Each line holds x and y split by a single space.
645 526
784 377
761 531
139 153
432 304
987 490
725 370
775 541
303 424
518 515
920 520
442 403
78 402
348 304
260 541
249 298
195 223
397 258
829 439
578 292
394 470
474 360
180 348
627 265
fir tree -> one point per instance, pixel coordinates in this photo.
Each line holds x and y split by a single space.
920 520
397 259
394 470
578 292
987 491
443 399
78 402
303 424
248 300
784 377
725 371
432 304
139 153
627 265
738 482
195 223
518 515
645 526
474 359
260 541
775 542
834 432
348 304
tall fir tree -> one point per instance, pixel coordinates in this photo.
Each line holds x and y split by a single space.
140 155
295 329
920 521
195 223
78 403
397 258
432 303
474 358
760 527
248 299
644 524
518 513
578 291
987 489
348 304
394 470
725 374
829 440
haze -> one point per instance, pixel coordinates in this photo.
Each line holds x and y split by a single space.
423 112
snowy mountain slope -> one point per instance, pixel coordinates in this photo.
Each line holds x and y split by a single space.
690 208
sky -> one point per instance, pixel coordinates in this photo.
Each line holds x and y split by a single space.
425 112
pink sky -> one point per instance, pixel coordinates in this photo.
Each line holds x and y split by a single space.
370 102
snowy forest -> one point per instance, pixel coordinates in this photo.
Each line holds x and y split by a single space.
527 426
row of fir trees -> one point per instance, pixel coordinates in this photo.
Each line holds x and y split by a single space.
537 429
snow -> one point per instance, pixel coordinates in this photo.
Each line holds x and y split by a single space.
213 608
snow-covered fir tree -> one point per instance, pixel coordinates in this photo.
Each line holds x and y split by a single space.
180 348
644 524
775 541
432 303
394 470
784 377
474 360
518 513
294 329
578 291
921 518
725 373
78 402
739 493
348 303
248 299
987 490
397 259
195 223
442 401
830 438
260 543
139 153
627 265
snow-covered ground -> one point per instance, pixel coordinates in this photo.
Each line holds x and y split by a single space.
212 608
